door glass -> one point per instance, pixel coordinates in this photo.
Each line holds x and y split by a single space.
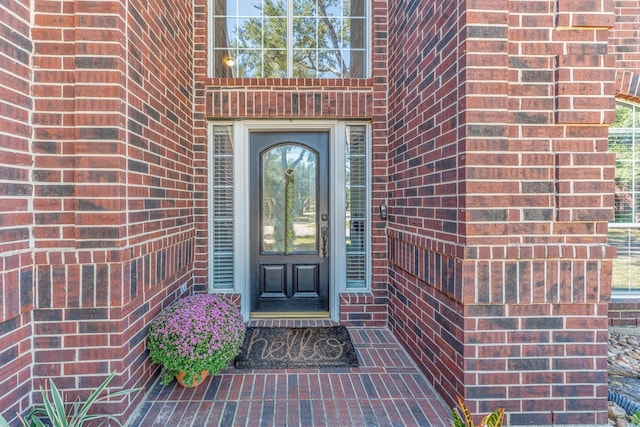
289 200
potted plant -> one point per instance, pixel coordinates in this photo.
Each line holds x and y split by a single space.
196 336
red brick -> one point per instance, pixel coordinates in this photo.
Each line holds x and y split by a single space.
489 147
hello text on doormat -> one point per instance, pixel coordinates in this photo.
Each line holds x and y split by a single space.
314 347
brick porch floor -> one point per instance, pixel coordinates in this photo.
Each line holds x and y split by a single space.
387 389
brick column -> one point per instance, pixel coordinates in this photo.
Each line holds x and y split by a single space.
114 235
79 181
501 273
538 199
16 192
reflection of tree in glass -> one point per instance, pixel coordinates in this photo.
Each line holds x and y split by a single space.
626 266
624 117
621 142
317 42
626 176
269 36
622 145
288 185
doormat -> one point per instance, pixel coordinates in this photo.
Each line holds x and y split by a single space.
278 348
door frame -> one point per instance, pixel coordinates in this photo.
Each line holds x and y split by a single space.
337 207
287 297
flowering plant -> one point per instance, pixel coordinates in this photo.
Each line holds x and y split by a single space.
197 333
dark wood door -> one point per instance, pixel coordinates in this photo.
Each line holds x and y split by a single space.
289 208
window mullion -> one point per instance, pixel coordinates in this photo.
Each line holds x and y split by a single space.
634 202
633 176
289 38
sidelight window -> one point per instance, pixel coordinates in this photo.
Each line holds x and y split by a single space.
356 205
221 254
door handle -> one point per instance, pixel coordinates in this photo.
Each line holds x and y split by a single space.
324 232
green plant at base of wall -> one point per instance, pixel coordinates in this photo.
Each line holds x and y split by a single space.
494 419
635 419
58 414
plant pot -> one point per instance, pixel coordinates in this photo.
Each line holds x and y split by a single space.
195 382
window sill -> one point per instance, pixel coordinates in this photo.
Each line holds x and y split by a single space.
626 297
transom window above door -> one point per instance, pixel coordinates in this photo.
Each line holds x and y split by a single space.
289 38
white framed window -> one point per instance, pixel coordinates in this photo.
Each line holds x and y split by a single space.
624 231
357 205
221 220
289 38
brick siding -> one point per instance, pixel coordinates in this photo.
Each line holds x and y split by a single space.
500 274
625 35
101 189
624 312
625 47
16 219
489 145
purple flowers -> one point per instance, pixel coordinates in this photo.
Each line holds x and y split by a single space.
196 333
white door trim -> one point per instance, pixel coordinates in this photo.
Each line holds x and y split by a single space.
337 208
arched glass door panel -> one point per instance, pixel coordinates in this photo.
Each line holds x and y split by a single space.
289 195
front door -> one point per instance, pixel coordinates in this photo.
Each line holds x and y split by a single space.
289 208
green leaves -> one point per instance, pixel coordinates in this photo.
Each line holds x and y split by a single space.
3 422
201 332
494 419
70 415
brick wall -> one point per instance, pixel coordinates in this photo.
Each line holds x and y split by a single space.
500 273
625 35
200 145
426 112
100 230
625 47
489 146
16 191
624 312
